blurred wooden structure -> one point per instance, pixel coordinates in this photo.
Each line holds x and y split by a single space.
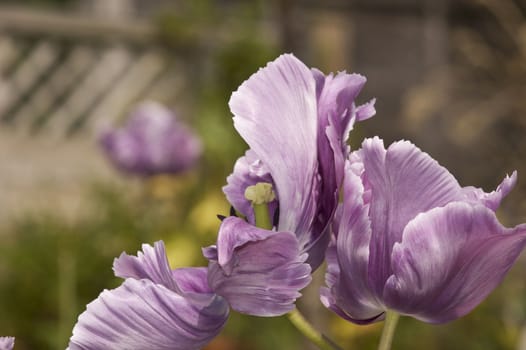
65 72
62 77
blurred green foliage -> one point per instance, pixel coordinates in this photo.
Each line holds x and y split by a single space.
38 247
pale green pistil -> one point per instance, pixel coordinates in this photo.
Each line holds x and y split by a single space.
260 195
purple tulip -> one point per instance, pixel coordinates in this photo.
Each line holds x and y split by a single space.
7 343
155 308
153 142
296 122
410 239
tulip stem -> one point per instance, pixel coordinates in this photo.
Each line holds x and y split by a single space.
262 216
391 320
321 341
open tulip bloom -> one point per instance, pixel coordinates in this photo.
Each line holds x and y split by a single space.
410 240
296 122
406 238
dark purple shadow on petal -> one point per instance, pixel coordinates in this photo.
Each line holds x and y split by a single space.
336 116
348 293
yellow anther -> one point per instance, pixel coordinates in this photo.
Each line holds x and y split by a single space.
260 193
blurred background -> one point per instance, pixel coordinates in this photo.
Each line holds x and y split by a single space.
448 75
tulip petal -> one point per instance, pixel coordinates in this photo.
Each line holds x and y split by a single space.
259 272
192 280
336 116
143 315
341 301
348 258
491 200
404 181
366 111
275 113
336 113
151 263
449 260
7 343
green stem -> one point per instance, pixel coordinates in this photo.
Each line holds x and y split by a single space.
262 216
391 320
321 341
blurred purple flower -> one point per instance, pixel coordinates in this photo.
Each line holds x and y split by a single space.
155 308
7 343
411 240
296 122
152 142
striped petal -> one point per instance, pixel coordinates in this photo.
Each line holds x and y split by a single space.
143 315
449 260
275 113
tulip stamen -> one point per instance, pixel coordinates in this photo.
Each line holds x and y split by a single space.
260 195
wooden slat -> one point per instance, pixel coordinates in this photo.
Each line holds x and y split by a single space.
65 77
60 74
8 53
40 95
27 74
112 64
144 70
75 26
168 86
